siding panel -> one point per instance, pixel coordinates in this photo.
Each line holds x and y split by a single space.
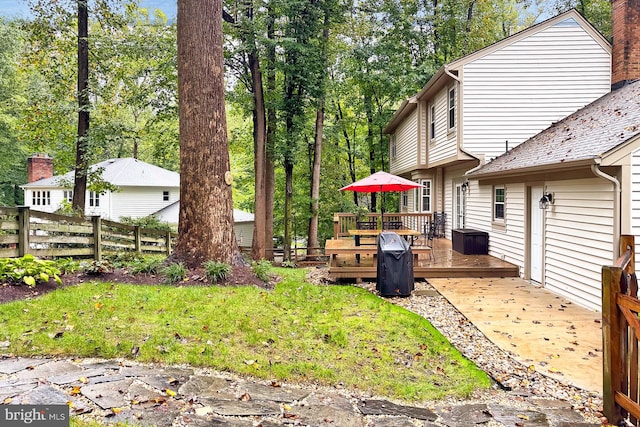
514 93
578 239
406 144
445 144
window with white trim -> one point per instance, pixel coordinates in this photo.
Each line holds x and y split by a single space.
425 198
498 203
452 108
432 123
67 195
41 198
94 199
165 196
394 147
405 200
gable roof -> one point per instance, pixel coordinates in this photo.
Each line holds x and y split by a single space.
588 135
451 70
126 172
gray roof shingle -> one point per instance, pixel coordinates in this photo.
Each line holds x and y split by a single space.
586 134
126 172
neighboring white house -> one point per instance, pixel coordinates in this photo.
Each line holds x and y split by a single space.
587 167
143 190
476 107
243 222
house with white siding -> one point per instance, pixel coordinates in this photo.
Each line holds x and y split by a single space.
570 191
477 107
243 222
143 189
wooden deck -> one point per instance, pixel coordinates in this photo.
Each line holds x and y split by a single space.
448 263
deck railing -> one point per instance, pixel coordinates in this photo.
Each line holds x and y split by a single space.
620 335
343 221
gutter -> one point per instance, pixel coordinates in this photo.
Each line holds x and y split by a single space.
450 74
616 207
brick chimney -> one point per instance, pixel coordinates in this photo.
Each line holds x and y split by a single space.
625 55
39 166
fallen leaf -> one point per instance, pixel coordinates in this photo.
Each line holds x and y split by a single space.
286 407
245 397
99 305
523 417
6 401
116 410
83 380
75 391
169 392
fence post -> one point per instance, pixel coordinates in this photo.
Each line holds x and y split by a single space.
167 243
614 367
137 239
97 237
24 215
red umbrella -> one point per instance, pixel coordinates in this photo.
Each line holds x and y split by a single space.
381 182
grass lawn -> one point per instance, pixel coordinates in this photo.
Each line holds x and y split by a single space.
297 332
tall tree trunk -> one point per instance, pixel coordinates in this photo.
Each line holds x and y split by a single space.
313 245
205 230
350 153
259 137
259 148
368 108
80 179
270 175
288 207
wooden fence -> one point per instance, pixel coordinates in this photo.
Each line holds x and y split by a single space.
45 235
620 335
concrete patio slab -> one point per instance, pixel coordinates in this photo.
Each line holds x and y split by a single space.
541 329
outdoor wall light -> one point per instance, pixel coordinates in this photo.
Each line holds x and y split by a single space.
545 201
465 186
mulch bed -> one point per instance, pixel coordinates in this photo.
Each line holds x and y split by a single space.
241 275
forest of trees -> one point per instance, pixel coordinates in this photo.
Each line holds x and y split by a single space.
310 84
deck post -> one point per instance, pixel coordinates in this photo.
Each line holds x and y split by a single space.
612 344
97 237
24 215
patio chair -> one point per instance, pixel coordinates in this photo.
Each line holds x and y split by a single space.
429 240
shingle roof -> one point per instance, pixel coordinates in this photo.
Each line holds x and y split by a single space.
127 172
586 134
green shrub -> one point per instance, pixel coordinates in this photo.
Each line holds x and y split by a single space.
149 264
122 259
174 273
262 269
29 270
151 221
96 268
216 271
68 265
289 264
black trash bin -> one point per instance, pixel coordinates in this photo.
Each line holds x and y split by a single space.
394 266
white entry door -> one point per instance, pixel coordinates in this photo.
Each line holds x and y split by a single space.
536 241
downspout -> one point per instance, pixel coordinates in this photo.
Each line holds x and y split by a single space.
616 207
